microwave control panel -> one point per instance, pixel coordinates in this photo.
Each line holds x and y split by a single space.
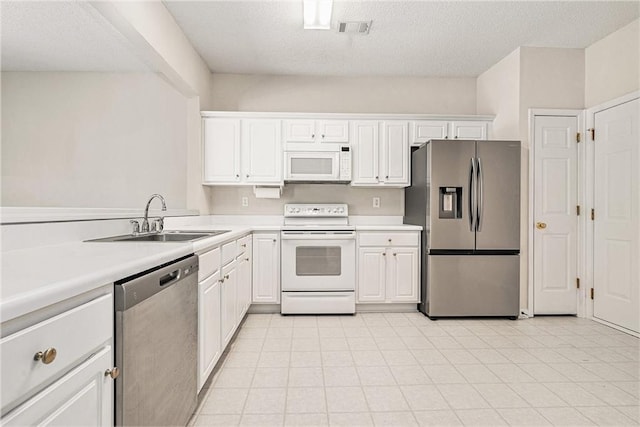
345 163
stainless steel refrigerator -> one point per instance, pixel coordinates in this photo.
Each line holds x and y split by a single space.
466 195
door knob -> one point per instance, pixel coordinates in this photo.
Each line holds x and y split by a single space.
113 373
541 225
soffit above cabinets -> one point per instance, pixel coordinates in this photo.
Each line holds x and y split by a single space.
407 38
62 36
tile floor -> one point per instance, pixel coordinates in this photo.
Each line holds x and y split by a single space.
403 369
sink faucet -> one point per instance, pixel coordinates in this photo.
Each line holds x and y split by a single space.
145 222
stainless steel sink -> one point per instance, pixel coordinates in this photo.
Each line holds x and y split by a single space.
165 236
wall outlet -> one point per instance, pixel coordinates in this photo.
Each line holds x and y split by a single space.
376 202
245 202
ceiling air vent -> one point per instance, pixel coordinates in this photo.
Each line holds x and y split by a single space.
354 27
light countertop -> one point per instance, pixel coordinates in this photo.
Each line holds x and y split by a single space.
37 277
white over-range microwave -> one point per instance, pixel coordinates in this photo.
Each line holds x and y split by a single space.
318 166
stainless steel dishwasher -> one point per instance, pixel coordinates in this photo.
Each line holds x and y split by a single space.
156 330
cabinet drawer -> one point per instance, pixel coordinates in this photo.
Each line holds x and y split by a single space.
74 334
244 244
390 239
229 252
209 263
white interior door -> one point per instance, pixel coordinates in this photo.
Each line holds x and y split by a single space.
555 215
617 215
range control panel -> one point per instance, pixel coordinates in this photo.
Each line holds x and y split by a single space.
316 210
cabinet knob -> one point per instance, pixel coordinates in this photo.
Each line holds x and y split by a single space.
313 135
387 177
221 280
237 175
47 356
246 259
389 240
323 136
384 254
446 137
247 175
395 254
226 276
456 137
244 245
113 372
274 240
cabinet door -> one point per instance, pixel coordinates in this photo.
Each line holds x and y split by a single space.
83 397
371 274
299 130
261 151
365 146
221 150
402 274
474 130
395 153
333 131
244 287
209 348
228 296
266 268
424 130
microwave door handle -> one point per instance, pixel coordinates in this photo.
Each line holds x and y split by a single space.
471 197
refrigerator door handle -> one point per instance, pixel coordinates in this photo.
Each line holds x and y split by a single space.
480 196
472 195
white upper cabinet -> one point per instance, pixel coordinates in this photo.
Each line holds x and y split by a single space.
312 131
395 153
221 150
261 151
475 130
424 130
365 152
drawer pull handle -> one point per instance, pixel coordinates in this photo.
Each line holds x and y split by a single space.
113 372
47 356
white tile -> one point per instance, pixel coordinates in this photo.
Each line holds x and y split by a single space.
357 332
565 417
305 333
575 372
331 332
305 359
459 357
518 355
350 419
477 374
245 333
306 420
610 394
247 344
537 395
375 375
541 372
279 321
510 373
399 358
217 420
429 357
417 343
337 358
352 322
394 419
631 387
471 342
266 420
633 412
305 377
224 401
443 417
280 333
305 344
274 359
480 417
329 321
462 396
306 400
334 344
444 342
390 343
573 394
606 416
346 399
523 417
234 378
242 360
423 397
270 377
335 376
361 343
277 344
500 396
368 358
385 399
266 401
383 331
444 374
407 331
489 356
410 375
305 322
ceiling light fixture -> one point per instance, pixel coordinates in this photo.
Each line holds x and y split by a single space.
317 14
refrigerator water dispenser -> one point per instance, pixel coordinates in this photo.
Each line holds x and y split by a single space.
450 202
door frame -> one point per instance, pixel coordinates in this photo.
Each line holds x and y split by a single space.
590 114
581 193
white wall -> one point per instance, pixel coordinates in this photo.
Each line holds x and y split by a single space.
92 140
612 65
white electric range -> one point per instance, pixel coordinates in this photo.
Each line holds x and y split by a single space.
318 260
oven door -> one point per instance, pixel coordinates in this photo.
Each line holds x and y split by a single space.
318 261
312 166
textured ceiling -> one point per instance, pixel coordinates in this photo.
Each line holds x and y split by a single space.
61 36
415 38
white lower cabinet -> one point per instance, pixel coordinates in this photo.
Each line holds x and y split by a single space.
83 397
388 274
266 268
244 284
228 308
209 341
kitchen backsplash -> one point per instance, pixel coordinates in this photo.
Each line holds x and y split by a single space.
228 200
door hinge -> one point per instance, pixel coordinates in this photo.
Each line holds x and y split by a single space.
591 293
578 210
593 133
578 137
593 214
577 283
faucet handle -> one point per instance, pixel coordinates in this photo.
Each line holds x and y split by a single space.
136 226
145 226
159 224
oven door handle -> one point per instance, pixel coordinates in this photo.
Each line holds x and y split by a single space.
317 236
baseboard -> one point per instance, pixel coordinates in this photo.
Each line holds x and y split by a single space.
387 308
264 308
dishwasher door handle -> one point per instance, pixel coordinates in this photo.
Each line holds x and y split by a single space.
169 278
